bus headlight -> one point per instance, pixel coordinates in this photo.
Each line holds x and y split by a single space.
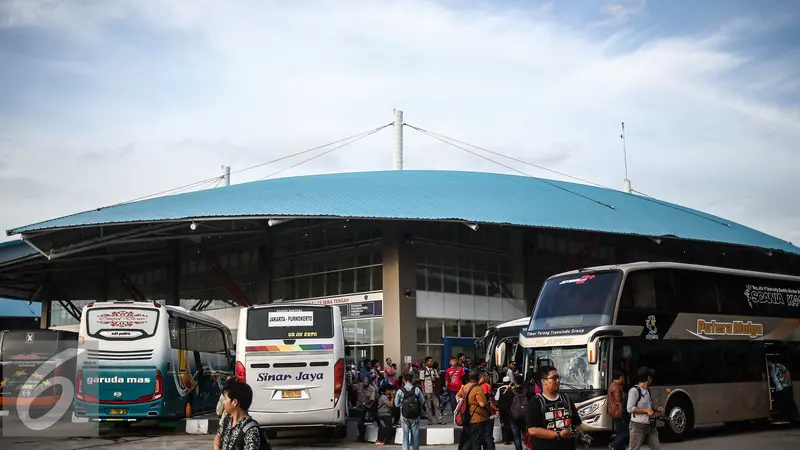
591 408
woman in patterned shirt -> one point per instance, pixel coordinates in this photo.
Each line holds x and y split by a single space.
238 397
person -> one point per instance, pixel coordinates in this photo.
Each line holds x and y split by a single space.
504 408
616 410
512 370
640 407
488 426
551 416
385 414
367 394
429 378
477 409
517 425
410 424
237 401
221 401
453 377
390 372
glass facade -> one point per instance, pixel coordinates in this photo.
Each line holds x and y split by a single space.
431 334
466 271
322 260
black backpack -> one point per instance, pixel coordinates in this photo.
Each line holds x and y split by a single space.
265 445
519 404
410 407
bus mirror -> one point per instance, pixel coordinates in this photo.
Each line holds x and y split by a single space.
591 352
500 354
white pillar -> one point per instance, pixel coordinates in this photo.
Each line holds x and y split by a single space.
398 139
226 175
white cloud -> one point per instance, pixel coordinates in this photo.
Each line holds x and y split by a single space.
186 86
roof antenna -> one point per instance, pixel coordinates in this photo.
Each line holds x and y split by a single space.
628 186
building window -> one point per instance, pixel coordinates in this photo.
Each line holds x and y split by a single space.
308 235
431 334
466 272
337 272
364 339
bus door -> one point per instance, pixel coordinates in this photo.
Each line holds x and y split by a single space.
778 360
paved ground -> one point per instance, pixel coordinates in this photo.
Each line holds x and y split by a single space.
773 438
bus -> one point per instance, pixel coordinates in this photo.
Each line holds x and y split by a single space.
143 360
505 335
293 356
709 333
29 360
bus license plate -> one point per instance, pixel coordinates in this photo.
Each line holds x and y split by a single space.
118 411
290 394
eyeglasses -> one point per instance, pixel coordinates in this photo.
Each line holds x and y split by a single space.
554 378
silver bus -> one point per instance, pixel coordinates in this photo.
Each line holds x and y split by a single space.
505 334
710 334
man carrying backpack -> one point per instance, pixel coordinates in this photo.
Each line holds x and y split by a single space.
517 397
410 400
640 406
551 416
239 431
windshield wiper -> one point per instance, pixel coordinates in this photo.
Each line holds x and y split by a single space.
570 386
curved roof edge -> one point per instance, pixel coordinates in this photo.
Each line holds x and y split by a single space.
472 197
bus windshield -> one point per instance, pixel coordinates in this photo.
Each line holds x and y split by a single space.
291 322
121 323
38 345
572 364
577 300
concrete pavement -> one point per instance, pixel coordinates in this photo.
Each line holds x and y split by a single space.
771 437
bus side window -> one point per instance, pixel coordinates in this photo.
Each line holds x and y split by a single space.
649 290
175 335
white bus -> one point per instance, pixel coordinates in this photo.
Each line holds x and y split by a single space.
710 333
293 357
143 360
505 335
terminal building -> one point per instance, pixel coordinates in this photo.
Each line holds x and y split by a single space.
420 262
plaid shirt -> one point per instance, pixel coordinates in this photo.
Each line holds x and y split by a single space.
229 434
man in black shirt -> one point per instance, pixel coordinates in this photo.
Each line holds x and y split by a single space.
551 416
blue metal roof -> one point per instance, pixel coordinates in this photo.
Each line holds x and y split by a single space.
19 308
13 250
435 195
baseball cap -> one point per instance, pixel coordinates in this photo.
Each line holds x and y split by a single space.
506 380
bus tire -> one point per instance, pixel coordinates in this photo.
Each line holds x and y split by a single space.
339 432
679 409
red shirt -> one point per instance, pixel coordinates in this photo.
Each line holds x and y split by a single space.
453 376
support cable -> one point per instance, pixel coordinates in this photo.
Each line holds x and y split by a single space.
642 195
213 179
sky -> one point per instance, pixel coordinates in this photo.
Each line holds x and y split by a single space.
104 102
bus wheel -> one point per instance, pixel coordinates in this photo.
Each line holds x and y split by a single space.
339 432
681 422
188 410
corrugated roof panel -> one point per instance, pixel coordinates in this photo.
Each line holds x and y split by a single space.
13 250
19 308
436 195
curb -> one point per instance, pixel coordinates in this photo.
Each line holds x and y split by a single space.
427 435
